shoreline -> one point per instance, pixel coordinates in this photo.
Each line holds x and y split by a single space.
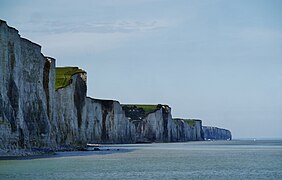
25 154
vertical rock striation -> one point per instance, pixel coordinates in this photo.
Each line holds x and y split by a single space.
158 126
187 130
105 122
84 120
153 127
70 101
25 86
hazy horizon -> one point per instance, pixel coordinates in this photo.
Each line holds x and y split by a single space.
218 61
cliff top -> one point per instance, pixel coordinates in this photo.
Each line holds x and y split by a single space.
64 74
140 111
5 23
146 107
213 127
190 122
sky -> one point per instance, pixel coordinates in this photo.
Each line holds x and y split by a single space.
215 60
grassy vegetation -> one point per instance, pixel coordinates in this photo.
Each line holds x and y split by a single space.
64 74
147 108
190 122
176 121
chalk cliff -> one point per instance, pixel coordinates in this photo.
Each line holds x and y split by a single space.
45 107
215 133
70 101
153 126
157 124
84 120
187 130
105 122
26 93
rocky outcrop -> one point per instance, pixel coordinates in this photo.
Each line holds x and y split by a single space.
26 93
214 133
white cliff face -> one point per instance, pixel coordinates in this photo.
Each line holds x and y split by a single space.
184 131
106 122
84 120
24 120
155 127
69 104
49 78
159 126
10 77
215 133
151 128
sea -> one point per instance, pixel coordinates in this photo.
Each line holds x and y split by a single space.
236 159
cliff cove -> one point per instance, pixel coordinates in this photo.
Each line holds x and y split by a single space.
44 108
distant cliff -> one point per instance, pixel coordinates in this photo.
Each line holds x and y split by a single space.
154 123
44 107
214 133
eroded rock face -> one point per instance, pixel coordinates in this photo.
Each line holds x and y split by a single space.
25 113
70 102
106 122
85 120
187 130
155 127
159 126
214 133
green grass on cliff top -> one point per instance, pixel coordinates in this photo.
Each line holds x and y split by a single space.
146 107
190 122
64 74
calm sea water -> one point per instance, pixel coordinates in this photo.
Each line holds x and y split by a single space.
192 160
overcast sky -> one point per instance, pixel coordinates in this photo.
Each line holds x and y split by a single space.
216 60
